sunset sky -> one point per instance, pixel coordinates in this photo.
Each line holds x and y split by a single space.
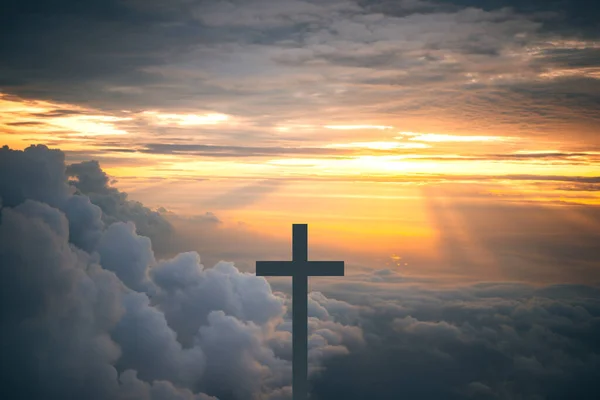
429 144
379 122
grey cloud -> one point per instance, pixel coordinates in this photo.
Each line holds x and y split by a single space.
578 17
133 388
102 42
384 275
72 328
150 346
572 157
91 181
112 322
85 221
263 14
232 45
208 217
306 58
572 58
232 151
126 254
188 293
20 179
56 113
42 296
400 8
489 341
234 373
278 151
25 123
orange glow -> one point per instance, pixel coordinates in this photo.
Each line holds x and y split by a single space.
187 119
440 138
391 198
379 145
88 125
356 127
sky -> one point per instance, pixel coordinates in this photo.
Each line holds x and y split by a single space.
448 151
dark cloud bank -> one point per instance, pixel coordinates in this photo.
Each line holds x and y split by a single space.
132 54
89 312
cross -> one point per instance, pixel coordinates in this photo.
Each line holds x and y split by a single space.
300 269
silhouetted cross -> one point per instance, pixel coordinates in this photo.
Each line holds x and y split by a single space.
300 269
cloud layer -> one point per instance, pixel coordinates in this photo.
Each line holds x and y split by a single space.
89 312
468 66
114 322
487 341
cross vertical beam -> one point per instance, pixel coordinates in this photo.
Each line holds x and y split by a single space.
300 315
300 269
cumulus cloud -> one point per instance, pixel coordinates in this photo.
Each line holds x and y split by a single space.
57 310
100 317
38 173
109 320
91 181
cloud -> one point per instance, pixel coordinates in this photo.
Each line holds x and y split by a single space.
113 322
21 180
93 183
229 151
482 341
126 254
57 310
87 215
150 347
475 64
207 217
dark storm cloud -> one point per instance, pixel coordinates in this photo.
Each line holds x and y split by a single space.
573 16
246 57
59 49
56 49
573 58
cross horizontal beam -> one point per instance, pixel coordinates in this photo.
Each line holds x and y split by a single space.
300 268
